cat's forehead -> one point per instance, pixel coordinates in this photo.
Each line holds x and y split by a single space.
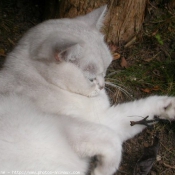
81 30
95 50
87 42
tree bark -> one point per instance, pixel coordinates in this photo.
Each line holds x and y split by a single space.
171 4
123 21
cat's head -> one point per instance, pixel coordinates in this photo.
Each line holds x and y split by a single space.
78 41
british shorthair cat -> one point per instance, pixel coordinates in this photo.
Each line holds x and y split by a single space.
54 112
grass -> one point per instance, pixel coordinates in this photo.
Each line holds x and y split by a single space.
155 76
151 58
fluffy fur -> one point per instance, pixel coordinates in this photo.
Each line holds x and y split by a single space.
54 112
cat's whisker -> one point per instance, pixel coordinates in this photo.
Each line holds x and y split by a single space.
108 89
120 88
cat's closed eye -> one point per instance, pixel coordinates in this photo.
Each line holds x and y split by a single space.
92 79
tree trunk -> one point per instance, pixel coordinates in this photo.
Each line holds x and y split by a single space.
123 21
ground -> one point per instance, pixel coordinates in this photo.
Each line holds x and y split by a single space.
142 67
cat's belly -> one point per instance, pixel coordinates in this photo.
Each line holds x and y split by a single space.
33 141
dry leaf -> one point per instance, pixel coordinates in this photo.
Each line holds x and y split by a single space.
154 33
124 63
156 88
116 56
2 52
149 90
146 90
148 59
113 48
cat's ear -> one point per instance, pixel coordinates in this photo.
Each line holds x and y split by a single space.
54 48
95 18
69 52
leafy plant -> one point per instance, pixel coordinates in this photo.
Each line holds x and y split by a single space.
159 39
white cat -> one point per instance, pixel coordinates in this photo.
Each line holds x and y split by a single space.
54 112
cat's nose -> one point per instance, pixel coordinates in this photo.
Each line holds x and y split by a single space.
101 87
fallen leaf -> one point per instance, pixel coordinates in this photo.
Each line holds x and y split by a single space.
154 33
124 63
116 56
156 88
113 47
148 59
170 29
149 90
2 52
146 90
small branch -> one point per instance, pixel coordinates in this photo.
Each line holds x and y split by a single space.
122 172
130 42
167 149
144 121
11 41
168 166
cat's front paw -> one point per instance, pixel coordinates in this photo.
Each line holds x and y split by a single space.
104 171
166 107
95 91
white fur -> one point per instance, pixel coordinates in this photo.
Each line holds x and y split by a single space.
54 114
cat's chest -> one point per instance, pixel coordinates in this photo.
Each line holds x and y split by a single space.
66 103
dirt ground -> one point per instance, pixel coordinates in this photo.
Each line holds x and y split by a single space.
16 16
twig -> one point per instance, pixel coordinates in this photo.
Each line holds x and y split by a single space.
129 43
167 148
144 121
11 41
122 172
152 5
163 49
168 166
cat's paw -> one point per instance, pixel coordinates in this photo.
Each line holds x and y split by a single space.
109 160
104 171
95 91
165 107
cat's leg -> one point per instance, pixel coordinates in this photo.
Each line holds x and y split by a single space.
118 117
90 139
